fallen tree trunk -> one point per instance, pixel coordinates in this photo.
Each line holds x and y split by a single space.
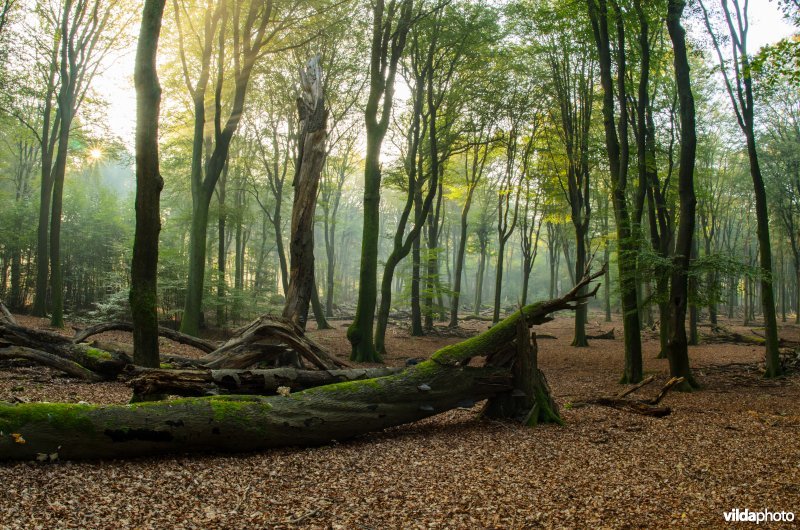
6 315
106 364
311 417
267 339
53 361
194 383
181 338
608 335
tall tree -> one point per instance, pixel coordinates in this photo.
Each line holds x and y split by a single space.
738 80
144 266
391 23
84 45
475 155
618 157
677 351
572 68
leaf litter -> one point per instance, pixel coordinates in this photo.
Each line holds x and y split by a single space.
733 444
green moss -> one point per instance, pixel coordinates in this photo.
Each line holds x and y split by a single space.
227 409
98 354
166 366
343 388
487 341
62 415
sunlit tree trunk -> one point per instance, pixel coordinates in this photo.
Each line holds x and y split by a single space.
144 266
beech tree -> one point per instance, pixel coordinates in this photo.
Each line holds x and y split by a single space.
738 80
391 23
618 148
144 267
249 27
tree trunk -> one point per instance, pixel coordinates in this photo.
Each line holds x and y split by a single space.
386 49
498 280
773 363
190 320
416 259
313 119
479 277
677 349
316 306
459 265
582 312
144 265
221 247
618 155
197 383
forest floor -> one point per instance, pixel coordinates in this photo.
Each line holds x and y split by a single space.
733 444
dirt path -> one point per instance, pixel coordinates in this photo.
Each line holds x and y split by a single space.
732 445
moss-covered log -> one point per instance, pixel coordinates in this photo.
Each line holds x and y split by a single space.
106 364
241 423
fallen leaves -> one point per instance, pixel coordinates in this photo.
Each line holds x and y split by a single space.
604 469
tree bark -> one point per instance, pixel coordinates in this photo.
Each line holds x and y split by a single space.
618 156
390 27
313 126
196 383
144 265
677 348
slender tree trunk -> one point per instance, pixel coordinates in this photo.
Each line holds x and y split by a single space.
386 49
190 321
582 311
479 277
773 363
221 250
416 259
459 265
498 280
144 266
678 353
618 155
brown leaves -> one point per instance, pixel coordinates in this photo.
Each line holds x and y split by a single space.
603 469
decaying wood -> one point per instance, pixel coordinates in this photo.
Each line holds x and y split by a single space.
265 339
310 417
608 335
47 359
106 364
647 407
171 334
310 159
6 315
261 337
190 383
530 402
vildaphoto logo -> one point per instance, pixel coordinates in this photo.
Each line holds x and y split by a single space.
764 516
